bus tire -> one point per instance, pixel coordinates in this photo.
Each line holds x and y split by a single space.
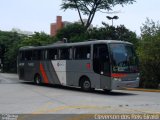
37 79
85 84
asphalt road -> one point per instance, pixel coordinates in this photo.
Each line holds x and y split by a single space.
18 97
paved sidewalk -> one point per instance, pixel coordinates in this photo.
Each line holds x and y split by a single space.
9 76
142 89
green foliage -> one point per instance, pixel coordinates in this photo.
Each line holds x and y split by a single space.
37 39
149 54
77 33
90 7
9 40
114 33
70 31
12 41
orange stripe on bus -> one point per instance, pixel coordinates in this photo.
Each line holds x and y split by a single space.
44 75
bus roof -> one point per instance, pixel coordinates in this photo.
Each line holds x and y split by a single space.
73 44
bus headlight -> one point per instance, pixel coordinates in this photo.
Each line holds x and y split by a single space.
117 79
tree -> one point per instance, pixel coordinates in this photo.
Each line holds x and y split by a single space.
149 54
90 7
77 33
37 39
9 41
12 41
70 32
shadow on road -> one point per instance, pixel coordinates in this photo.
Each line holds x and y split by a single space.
97 91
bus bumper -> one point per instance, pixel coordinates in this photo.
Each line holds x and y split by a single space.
117 85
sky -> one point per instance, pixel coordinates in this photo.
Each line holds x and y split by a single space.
36 15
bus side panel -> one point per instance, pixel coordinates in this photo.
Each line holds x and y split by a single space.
60 70
21 70
71 69
105 82
71 73
78 68
31 68
48 73
25 70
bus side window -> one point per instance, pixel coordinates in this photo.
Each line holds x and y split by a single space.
82 52
37 55
21 55
64 53
28 55
52 54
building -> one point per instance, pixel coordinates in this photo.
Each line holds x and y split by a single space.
58 25
54 27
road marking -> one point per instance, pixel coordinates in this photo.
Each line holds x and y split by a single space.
82 117
42 108
41 111
45 109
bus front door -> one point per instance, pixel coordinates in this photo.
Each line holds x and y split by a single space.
101 65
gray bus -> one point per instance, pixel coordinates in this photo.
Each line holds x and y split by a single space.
101 64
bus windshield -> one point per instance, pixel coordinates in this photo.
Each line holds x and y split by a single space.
123 58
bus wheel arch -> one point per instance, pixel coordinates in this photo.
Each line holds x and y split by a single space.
37 79
85 83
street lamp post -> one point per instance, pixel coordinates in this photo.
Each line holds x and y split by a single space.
111 18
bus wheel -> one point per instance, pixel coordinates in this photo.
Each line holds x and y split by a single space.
85 84
107 90
37 79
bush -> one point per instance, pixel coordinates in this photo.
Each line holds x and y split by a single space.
149 55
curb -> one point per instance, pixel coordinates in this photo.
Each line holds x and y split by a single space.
141 89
